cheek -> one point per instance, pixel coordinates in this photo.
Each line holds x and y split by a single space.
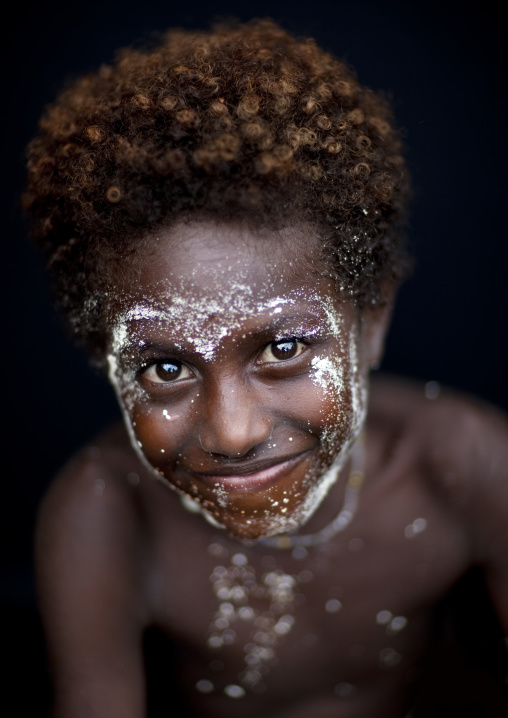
342 390
159 435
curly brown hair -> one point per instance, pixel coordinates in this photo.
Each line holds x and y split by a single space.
244 123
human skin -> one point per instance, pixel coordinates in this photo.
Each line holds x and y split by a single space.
250 436
118 552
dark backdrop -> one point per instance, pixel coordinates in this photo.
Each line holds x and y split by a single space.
444 66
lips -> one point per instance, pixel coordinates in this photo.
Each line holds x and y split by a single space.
248 479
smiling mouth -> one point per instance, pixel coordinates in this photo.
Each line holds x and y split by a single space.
248 480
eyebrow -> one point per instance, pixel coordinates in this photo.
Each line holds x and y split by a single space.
296 322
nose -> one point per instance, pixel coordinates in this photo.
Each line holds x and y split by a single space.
234 421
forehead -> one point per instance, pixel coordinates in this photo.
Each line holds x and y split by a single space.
204 256
207 282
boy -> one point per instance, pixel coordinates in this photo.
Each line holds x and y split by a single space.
222 219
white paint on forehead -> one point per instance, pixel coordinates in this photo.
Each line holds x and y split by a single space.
209 319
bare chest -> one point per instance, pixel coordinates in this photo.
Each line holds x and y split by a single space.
347 618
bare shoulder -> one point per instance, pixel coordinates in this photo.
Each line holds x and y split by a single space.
457 446
101 481
417 403
90 520
460 441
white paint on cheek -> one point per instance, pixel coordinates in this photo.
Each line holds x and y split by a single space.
112 370
340 378
320 489
207 321
188 501
127 389
328 374
334 318
359 387
114 378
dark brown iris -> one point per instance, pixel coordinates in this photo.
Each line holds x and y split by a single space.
168 370
285 349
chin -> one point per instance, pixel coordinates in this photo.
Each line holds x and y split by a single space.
252 532
271 522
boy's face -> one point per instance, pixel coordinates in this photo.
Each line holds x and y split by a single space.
241 372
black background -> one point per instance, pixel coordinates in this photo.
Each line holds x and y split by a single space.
442 63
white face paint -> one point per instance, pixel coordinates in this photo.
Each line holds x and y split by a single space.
242 379
203 334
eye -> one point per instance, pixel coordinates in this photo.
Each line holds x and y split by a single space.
167 371
282 350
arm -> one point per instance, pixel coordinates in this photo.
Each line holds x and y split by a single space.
89 574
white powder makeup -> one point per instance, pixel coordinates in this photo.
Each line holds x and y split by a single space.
205 315
336 378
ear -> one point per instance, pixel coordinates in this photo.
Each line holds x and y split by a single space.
374 325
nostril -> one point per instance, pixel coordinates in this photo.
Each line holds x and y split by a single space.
230 454
231 447
222 452
202 445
